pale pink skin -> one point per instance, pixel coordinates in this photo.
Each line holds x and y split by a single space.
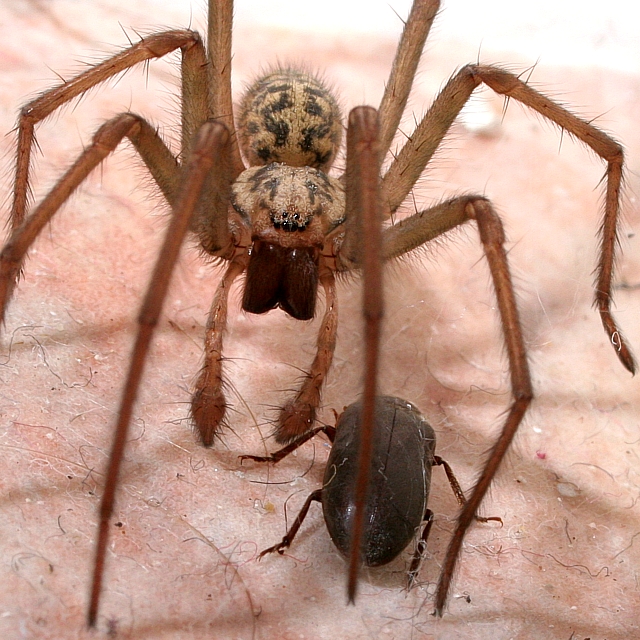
565 561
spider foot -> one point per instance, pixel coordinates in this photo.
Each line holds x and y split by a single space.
617 340
208 408
296 418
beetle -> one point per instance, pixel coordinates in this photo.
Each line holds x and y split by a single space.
404 446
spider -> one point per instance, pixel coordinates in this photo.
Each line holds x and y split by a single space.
213 195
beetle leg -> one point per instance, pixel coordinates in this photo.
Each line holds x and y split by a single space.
457 489
421 547
291 534
276 456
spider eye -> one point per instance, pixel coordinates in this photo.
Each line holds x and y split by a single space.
290 221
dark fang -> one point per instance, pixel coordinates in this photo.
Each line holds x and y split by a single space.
281 277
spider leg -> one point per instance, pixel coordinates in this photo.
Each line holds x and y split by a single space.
420 228
403 71
363 243
208 157
219 52
208 404
416 153
298 414
154 46
363 220
152 149
210 221
206 94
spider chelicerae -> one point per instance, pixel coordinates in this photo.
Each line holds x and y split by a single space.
305 243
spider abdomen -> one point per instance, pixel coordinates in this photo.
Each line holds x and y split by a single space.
289 116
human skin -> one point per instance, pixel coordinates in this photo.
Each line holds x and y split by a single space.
190 522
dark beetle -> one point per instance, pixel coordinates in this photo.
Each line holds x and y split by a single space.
396 506
403 454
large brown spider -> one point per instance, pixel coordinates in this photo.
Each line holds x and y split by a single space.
396 184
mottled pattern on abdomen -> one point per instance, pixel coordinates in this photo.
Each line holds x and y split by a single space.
291 117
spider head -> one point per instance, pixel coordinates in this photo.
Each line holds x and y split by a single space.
289 206
290 210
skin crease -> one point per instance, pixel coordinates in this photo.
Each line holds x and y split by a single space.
189 523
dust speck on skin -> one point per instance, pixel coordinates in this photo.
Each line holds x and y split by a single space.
568 489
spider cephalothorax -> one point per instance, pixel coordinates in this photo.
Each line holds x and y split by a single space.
290 211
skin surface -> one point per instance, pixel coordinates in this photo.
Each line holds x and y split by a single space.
190 522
